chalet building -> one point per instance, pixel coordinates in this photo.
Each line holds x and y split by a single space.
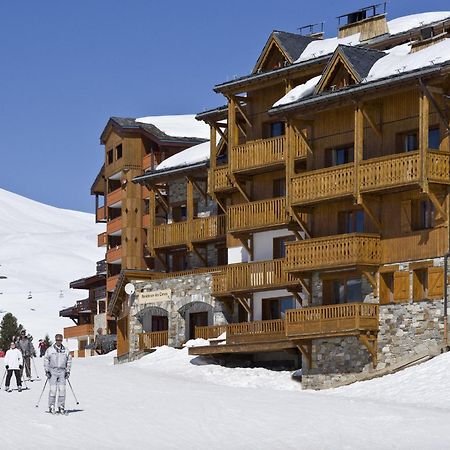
329 166
89 314
131 147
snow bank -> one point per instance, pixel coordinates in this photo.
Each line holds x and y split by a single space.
178 125
406 23
192 155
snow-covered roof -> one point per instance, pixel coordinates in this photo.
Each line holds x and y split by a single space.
192 155
398 60
178 125
396 26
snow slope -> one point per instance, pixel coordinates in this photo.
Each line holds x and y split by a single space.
169 400
42 250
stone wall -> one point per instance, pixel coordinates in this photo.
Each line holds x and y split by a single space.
190 293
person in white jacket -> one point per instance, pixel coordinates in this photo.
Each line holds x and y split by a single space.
13 364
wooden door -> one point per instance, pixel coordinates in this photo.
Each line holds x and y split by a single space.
122 336
199 319
160 323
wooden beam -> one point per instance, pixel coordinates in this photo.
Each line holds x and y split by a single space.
305 348
297 296
442 114
240 188
244 240
241 129
305 287
161 260
160 198
200 256
304 137
358 148
243 114
437 204
424 123
371 215
370 342
372 123
300 222
372 280
220 203
199 189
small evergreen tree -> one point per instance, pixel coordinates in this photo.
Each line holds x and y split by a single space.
47 341
8 330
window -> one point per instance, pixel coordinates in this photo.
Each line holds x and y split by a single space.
345 290
222 256
279 187
351 221
434 138
279 246
178 261
110 156
409 142
422 214
179 213
338 156
277 129
119 151
275 308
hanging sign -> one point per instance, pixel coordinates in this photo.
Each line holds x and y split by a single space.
163 295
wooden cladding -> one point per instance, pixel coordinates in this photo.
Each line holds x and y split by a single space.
79 331
154 339
255 215
248 277
182 233
114 254
265 152
334 251
111 283
114 226
333 320
371 175
145 220
148 161
101 214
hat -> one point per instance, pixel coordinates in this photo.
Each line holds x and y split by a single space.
23 331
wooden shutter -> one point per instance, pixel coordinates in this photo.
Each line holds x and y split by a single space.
385 288
435 282
401 286
418 284
405 216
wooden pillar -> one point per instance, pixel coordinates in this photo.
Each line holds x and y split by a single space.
233 137
289 161
213 157
152 220
358 149
424 118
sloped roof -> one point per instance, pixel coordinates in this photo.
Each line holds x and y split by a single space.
360 59
293 44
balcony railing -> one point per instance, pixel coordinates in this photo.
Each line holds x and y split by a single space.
147 161
333 320
255 215
154 339
102 239
210 332
344 250
264 153
145 220
254 276
196 230
79 331
220 179
323 184
114 197
101 214
114 254
111 283
438 167
114 226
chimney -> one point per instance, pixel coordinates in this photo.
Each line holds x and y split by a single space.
428 36
369 21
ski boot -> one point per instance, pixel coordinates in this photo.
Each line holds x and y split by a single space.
52 409
19 388
8 389
62 411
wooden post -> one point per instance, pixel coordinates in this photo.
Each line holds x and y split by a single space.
189 207
152 221
424 117
213 157
233 136
289 161
358 149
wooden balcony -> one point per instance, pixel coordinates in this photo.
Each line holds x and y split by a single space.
333 252
114 197
438 167
170 235
114 254
111 283
101 214
205 229
145 220
220 180
323 184
147 161
79 331
102 239
252 277
154 339
332 321
201 229
245 337
263 214
114 226
263 154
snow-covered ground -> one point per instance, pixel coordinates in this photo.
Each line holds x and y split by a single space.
43 249
168 400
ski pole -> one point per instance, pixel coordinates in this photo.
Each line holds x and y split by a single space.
73 392
4 375
34 365
43 389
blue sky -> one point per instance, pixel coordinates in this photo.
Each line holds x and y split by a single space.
68 66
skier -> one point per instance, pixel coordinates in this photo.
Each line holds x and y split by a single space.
13 364
42 348
57 364
25 345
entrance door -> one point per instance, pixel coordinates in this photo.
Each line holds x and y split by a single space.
199 319
160 323
122 336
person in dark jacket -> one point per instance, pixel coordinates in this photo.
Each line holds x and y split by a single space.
42 348
25 345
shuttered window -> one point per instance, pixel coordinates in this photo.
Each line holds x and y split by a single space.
435 282
401 286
